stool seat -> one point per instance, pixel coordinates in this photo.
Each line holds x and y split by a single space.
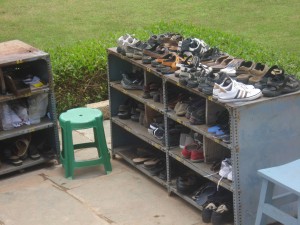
80 118
287 177
83 118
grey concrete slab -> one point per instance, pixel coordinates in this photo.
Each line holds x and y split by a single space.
125 196
43 203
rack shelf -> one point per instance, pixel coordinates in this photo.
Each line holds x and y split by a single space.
263 133
19 60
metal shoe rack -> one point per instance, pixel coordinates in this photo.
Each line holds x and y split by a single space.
264 133
19 56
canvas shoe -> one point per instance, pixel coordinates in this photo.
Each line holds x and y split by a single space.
226 168
236 92
226 84
197 154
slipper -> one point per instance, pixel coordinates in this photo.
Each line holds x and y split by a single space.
140 160
204 193
214 129
152 162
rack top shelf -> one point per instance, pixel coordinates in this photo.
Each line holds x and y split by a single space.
16 51
171 78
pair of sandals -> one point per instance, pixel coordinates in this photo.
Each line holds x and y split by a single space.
167 64
276 83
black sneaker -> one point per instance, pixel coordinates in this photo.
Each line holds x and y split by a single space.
211 55
207 211
132 81
223 214
187 183
198 116
210 81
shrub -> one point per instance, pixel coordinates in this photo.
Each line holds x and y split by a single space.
80 69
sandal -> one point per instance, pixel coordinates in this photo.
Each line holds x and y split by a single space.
159 60
17 87
160 52
281 85
140 160
273 71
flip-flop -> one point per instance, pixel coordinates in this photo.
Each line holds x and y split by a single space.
205 192
140 160
152 162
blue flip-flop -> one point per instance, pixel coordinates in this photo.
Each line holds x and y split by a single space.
214 129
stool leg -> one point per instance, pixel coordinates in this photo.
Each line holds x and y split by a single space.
298 215
68 151
266 195
101 145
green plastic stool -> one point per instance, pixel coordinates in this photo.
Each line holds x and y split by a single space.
77 119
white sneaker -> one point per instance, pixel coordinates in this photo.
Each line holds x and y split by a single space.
235 92
122 39
228 81
226 168
128 46
229 176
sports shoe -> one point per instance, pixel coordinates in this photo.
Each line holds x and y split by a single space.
211 80
186 151
236 92
193 45
128 46
223 214
226 168
120 43
198 116
132 81
226 84
197 154
208 210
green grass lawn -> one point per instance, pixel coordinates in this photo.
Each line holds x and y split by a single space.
44 24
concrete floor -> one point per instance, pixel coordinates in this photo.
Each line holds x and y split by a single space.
42 196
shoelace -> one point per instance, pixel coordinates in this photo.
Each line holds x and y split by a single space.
222 208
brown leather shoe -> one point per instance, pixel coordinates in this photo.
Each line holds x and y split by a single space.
245 67
243 71
223 64
258 72
217 61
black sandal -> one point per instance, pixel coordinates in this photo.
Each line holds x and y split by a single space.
281 85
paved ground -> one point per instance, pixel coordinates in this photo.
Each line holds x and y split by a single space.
42 196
